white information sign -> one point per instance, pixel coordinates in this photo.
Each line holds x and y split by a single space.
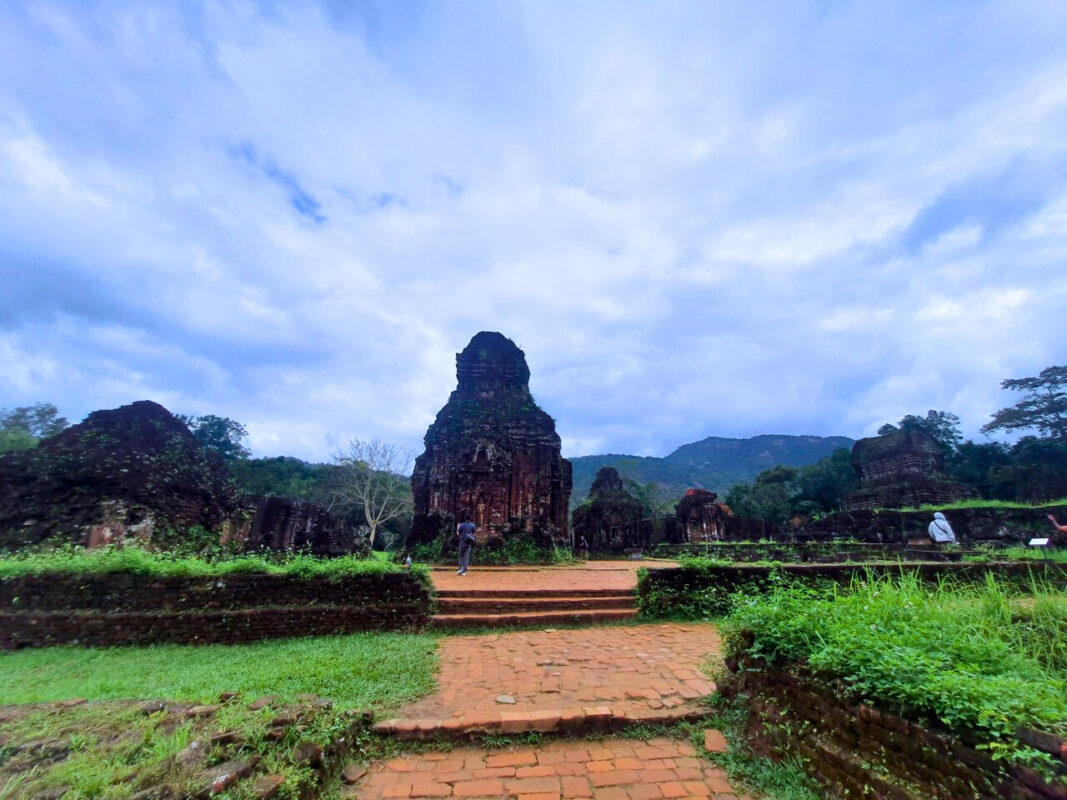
1039 542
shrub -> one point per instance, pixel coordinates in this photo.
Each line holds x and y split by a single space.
978 658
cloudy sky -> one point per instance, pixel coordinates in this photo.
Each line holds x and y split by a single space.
695 218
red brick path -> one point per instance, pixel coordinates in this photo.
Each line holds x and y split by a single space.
589 575
601 770
564 679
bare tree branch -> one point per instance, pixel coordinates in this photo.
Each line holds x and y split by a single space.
372 475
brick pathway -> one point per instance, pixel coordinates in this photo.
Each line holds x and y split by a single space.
564 679
603 770
590 575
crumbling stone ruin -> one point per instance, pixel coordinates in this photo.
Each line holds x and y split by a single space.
492 453
700 518
901 469
611 520
136 472
129 471
278 523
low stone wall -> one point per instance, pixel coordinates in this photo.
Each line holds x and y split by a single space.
123 608
696 592
971 525
855 750
808 552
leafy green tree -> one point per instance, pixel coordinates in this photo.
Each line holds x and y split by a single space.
654 498
942 425
225 436
1043 407
823 485
1038 470
976 464
769 497
21 428
282 476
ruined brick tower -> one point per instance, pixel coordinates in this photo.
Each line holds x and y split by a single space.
492 453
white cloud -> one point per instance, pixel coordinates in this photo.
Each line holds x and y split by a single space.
694 220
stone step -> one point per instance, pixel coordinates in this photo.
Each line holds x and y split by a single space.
512 605
449 593
543 720
533 619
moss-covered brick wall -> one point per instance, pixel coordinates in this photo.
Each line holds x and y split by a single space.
122 608
856 750
703 590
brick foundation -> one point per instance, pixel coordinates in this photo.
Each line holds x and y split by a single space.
122 608
661 590
855 750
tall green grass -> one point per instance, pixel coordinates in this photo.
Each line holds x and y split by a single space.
980 658
139 561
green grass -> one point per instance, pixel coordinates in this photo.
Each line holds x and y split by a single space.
379 671
981 504
1056 555
114 750
981 659
139 561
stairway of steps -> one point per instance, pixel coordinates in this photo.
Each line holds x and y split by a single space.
537 608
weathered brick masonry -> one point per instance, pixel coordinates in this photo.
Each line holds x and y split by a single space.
123 608
855 750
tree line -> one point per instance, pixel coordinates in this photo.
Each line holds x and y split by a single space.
1033 469
366 483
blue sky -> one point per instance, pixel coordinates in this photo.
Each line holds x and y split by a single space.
695 218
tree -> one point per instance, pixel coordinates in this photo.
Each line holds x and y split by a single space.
225 436
769 497
281 476
371 475
21 428
942 425
823 485
1043 407
982 465
654 498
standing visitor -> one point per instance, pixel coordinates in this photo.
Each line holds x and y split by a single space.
940 531
465 531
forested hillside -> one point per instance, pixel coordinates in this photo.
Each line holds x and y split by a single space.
715 463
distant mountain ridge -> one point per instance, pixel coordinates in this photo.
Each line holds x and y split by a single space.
715 463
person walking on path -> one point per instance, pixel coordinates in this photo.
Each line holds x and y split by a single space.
465 531
940 531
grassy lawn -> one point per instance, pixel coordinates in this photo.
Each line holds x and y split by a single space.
379 671
112 748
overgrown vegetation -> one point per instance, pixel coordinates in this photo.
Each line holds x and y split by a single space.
982 660
139 561
697 594
113 748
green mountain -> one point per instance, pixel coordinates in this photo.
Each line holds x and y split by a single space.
715 463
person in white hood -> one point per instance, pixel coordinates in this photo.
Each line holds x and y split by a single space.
940 531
